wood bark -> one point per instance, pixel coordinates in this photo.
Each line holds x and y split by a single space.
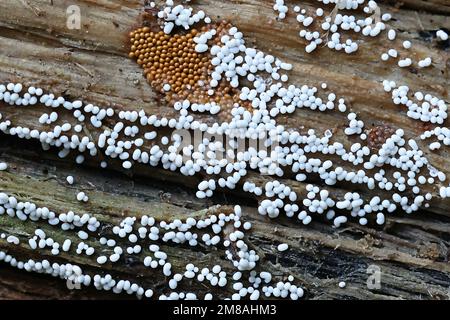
91 64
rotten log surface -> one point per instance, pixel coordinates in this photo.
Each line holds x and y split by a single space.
37 49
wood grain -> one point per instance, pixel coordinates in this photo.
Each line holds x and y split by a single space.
92 64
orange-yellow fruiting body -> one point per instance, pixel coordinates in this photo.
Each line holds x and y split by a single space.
172 60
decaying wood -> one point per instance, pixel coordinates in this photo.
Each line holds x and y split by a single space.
91 64
411 251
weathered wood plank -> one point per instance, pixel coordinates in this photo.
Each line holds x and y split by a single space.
412 253
92 64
